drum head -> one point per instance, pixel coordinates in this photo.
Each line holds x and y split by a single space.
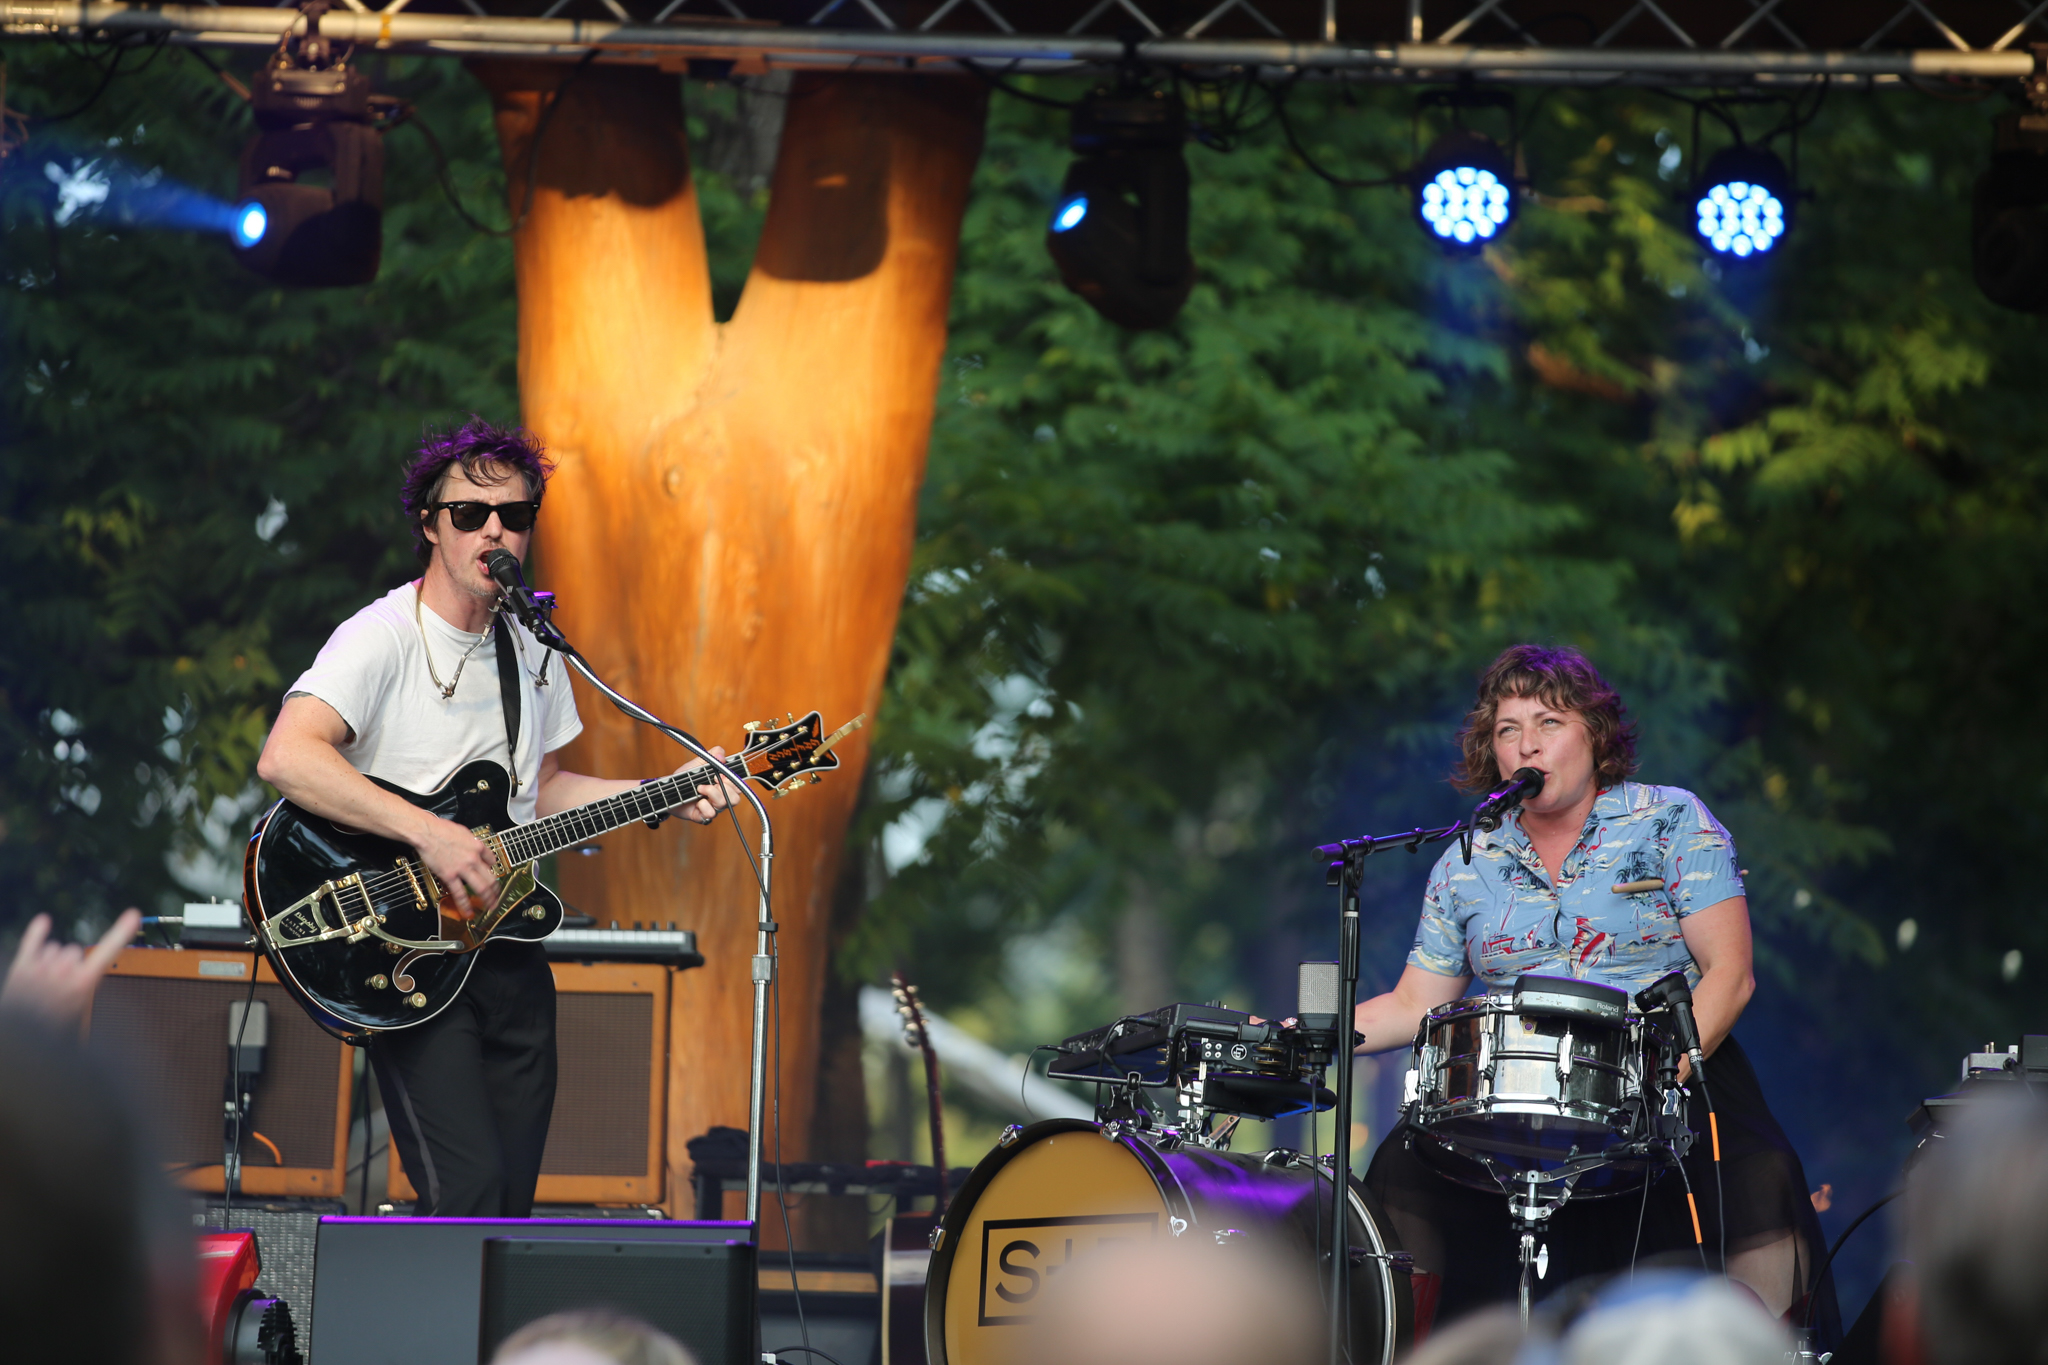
1030 1208
1062 1189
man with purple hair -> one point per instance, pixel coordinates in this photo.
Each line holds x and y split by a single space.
393 695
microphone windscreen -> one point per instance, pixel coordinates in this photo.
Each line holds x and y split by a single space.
1529 776
1317 991
504 567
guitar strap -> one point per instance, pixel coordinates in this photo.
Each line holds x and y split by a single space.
508 687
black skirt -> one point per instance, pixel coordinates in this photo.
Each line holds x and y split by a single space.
1465 1234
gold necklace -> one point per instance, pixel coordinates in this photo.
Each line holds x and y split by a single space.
447 688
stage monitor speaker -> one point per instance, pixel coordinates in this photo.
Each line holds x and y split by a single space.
409 1291
606 1140
702 1295
161 1019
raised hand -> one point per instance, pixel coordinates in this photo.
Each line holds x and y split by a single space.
55 981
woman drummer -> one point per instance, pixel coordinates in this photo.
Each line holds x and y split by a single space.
1613 882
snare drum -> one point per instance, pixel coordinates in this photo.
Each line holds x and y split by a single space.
1531 1078
1061 1188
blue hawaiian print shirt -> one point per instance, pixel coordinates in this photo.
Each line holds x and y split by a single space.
1501 917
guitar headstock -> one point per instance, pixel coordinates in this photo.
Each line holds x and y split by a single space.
912 1009
786 757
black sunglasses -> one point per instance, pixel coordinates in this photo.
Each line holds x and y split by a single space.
471 516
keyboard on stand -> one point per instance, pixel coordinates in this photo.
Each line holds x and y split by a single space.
669 947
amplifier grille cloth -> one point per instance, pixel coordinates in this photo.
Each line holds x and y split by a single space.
606 1043
169 1037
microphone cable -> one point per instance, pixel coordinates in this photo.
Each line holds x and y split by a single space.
1699 1073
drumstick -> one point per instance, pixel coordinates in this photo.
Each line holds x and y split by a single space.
1641 884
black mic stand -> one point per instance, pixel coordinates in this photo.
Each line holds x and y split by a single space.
1346 871
535 611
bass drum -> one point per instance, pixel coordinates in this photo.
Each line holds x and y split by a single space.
1058 1189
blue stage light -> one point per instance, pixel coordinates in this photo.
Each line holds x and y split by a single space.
1465 191
1744 203
249 225
1069 215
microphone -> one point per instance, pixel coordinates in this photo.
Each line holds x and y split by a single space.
1671 992
504 570
1489 813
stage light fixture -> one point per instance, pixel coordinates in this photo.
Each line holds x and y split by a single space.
1119 231
1744 203
2009 214
1465 190
314 125
250 223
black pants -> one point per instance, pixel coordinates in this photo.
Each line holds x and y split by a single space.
469 1093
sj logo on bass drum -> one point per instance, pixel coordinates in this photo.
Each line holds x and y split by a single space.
1019 1255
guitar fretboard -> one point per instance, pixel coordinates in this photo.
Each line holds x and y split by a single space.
553 833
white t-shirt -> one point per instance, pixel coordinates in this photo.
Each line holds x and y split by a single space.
373 672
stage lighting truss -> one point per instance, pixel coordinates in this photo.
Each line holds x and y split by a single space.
1466 183
1743 205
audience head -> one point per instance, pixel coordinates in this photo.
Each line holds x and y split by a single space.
1668 1317
1977 1233
94 1264
591 1337
1226 1305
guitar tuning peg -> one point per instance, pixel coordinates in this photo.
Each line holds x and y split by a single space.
751 726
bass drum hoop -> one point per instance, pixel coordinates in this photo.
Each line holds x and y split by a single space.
1397 1320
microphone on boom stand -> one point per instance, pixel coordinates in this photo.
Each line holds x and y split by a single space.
1488 814
504 569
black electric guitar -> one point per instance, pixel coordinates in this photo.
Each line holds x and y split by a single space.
367 940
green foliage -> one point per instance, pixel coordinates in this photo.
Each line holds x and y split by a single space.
199 469
1169 585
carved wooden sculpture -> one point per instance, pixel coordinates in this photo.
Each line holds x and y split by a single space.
731 524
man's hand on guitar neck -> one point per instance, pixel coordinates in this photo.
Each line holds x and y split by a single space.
714 799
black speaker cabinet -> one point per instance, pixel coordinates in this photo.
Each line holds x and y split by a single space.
702 1294
160 1017
410 1291
606 1139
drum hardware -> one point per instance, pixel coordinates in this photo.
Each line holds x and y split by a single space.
1217 1065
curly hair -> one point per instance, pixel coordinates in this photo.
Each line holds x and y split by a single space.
489 455
1561 677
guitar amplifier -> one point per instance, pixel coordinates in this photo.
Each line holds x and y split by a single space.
161 1019
607 1139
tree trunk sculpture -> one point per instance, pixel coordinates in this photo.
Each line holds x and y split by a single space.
730 526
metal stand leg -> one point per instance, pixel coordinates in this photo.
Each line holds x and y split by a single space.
1528 1270
1530 1210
